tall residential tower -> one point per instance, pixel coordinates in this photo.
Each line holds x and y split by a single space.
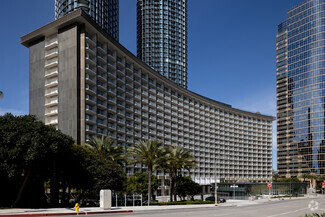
162 37
300 50
104 12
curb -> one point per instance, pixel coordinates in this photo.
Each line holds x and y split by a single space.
65 214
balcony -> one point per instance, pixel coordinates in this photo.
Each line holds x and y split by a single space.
51 82
90 39
90 49
111 64
51 63
51 101
90 90
51 111
90 99
51 72
51 43
102 58
90 59
90 111
51 92
91 70
102 67
101 47
90 120
51 120
90 80
51 53
102 77
90 129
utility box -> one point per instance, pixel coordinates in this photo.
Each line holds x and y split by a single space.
105 199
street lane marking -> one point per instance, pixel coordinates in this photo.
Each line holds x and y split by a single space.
285 213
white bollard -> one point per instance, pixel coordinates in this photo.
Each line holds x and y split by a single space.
105 199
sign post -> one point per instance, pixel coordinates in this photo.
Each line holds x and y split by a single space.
269 186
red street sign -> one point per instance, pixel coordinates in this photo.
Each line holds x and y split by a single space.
269 185
323 185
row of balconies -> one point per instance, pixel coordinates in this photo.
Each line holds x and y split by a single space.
51 80
174 108
153 131
121 65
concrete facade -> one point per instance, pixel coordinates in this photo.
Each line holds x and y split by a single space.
36 79
69 90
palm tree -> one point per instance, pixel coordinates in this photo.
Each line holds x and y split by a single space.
104 147
304 176
276 176
175 159
149 153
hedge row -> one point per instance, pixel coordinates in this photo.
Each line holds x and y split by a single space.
186 202
315 215
299 195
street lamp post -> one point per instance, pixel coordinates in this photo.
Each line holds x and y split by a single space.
1 94
215 188
290 187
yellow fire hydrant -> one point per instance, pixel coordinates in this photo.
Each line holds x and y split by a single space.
77 207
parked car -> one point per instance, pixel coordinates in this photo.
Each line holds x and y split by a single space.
212 198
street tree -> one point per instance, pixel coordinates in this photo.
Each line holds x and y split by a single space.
148 153
31 153
176 158
276 176
138 183
304 176
187 187
105 148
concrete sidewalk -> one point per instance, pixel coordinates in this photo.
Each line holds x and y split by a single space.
97 210
59 212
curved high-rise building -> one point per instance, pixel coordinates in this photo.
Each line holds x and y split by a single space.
300 51
162 37
104 12
86 84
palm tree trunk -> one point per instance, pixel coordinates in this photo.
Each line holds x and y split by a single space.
174 188
174 184
171 187
149 185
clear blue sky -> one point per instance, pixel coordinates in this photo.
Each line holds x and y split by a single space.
231 49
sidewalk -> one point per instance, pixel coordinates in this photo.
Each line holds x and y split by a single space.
238 203
97 210
59 212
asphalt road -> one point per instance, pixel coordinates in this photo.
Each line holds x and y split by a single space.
286 208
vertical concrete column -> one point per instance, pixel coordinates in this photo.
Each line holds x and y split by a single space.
105 199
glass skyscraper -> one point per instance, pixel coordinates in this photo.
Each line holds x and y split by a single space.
162 37
104 12
300 54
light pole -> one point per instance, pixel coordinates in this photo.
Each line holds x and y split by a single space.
1 94
290 187
215 188
234 186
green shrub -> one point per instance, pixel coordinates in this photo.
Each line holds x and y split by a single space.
299 195
184 202
315 215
